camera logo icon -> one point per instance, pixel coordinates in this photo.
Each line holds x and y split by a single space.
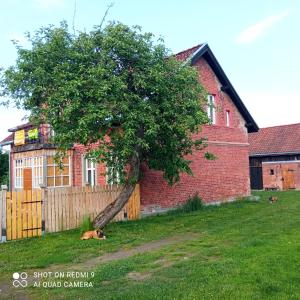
20 279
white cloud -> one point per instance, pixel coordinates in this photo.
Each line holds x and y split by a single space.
49 4
253 32
270 108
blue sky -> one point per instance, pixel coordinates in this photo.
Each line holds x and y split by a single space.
256 42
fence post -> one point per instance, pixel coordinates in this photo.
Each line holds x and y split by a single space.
44 199
3 207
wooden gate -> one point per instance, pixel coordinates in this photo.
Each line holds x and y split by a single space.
30 213
288 179
23 214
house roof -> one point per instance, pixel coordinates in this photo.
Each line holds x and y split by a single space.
19 127
192 55
8 140
283 139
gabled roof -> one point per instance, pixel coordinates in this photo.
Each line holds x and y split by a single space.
192 55
8 140
19 127
283 139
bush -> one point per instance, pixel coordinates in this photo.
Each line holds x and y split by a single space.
192 204
86 225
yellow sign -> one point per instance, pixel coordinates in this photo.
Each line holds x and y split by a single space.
19 138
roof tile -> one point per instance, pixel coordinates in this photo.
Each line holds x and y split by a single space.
277 139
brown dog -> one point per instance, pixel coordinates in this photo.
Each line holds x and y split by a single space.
273 199
94 234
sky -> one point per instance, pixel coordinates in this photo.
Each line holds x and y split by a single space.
256 42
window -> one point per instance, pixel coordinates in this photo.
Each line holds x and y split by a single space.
36 164
271 171
56 176
211 112
18 173
227 118
37 171
89 172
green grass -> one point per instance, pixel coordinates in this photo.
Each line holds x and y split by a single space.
241 250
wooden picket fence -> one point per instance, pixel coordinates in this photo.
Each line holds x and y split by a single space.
31 213
65 208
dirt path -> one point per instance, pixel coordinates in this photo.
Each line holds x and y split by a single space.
7 291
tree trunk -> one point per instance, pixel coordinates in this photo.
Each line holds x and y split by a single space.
115 207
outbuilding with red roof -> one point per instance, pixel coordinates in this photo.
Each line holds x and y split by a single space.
275 157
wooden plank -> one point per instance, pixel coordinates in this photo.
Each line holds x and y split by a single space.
76 197
34 212
8 216
14 216
56 210
60 210
39 213
29 211
51 209
45 205
24 215
67 216
49 217
19 216
71 209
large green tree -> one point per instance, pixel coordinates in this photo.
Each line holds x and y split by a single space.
4 165
117 87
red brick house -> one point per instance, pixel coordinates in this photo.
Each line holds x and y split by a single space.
223 179
275 157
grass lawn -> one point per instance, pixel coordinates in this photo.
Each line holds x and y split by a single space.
241 250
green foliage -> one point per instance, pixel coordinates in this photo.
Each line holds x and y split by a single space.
86 225
192 204
4 168
116 86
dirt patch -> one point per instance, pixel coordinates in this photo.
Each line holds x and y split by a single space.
9 292
164 263
138 276
121 254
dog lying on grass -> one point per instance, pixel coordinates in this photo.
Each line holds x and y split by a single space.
94 234
273 199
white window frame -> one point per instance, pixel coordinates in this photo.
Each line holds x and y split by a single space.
37 171
228 118
92 169
18 180
211 110
36 164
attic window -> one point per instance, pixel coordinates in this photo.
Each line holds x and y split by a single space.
211 111
227 118
271 171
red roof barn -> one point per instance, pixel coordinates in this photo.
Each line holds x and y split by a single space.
275 157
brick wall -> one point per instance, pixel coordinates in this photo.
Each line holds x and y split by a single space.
78 179
225 178
274 174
